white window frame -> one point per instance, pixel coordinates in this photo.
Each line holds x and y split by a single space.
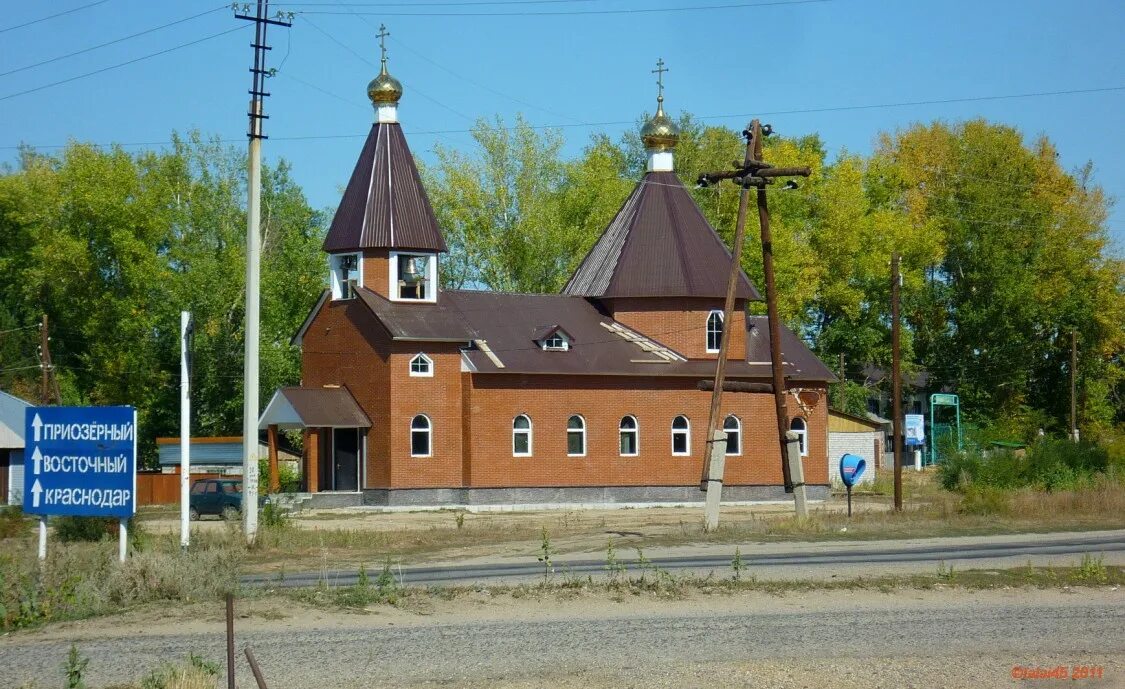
802 434
685 431
431 276
548 347
334 261
428 373
635 430
570 430
429 431
529 432
738 430
715 313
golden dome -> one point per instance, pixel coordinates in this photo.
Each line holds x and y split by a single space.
384 89
660 133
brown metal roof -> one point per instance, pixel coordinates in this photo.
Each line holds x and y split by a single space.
658 245
799 362
417 320
313 408
507 325
384 205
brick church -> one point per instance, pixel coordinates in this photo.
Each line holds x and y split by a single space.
412 394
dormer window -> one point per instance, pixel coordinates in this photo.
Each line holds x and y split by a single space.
552 338
413 277
346 275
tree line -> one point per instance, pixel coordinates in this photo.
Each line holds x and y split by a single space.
1004 254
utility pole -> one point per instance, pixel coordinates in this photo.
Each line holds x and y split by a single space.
751 172
186 332
1074 385
896 378
49 382
841 391
253 269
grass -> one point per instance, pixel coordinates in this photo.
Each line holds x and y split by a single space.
660 584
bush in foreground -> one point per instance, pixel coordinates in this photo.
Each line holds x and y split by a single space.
1048 464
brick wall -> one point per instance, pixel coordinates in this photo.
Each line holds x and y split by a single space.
680 323
860 444
346 345
550 400
438 398
376 271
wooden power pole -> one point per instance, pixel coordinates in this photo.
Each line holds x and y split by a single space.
841 392
751 172
49 382
896 378
1074 385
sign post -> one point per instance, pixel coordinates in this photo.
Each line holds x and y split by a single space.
916 437
851 468
83 464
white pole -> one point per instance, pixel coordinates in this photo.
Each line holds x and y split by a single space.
917 460
185 430
250 368
123 544
43 537
714 497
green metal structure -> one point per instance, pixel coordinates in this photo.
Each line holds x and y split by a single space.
942 430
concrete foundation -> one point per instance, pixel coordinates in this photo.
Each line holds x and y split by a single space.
454 497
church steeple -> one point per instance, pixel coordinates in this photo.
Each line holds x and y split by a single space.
384 90
660 134
384 235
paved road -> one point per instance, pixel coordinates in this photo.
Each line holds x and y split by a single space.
936 639
818 560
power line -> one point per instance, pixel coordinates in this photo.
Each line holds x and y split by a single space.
114 41
373 66
52 16
428 4
121 64
633 10
841 108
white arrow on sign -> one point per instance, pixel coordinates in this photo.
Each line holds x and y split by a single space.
37 423
35 491
38 459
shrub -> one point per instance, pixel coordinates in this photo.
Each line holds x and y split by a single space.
77 529
984 500
1048 464
12 522
288 477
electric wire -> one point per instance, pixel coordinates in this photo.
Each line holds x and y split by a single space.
113 42
52 16
571 13
123 64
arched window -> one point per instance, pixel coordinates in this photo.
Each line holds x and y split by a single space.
521 436
733 427
421 366
714 331
576 436
799 427
629 439
681 436
420 436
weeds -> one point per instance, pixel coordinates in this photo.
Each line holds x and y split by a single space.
459 518
74 667
945 572
547 551
12 522
613 565
1092 569
197 674
737 564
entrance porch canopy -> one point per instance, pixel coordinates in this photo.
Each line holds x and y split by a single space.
311 410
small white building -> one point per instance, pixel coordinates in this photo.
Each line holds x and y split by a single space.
853 435
12 421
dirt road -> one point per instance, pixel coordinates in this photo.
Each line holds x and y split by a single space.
950 639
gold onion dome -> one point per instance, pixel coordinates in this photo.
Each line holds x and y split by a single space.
660 133
384 89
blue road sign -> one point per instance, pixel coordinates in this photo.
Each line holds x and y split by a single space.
81 461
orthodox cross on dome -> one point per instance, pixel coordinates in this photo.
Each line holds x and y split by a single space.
659 72
383 33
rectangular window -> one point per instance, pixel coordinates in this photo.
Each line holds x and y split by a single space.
628 442
679 443
575 443
420 443
521 443
413 277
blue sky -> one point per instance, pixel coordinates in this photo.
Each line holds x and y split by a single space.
577 70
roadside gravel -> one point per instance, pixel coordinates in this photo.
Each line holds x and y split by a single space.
948 638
